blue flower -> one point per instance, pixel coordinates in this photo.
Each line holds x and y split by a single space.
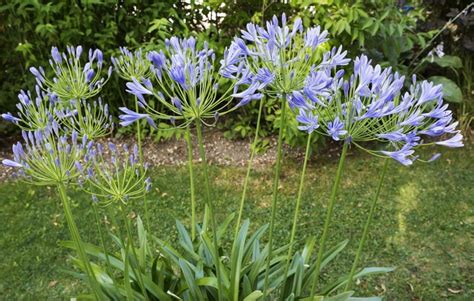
309 121
402 155
56 55
455 141
318 86
297 100
9 117
429 92
336 129
137 89
11 163
335 57
130 117
395 136
314 37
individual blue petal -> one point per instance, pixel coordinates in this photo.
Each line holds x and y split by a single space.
9 117
11 163
455 141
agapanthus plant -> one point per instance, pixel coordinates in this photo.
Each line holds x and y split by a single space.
370 106
47 157
185 85
34 113
275 60
72 79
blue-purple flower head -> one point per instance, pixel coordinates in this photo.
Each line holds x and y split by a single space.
73 79
115 175
129 65
371 105
47 157
35 112
95 120
183 82
277 59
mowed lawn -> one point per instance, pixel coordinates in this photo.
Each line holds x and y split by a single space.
424 224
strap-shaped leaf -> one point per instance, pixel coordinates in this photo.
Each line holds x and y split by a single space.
236 260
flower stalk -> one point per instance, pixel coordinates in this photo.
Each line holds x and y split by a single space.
327 221
189 142
210 207
297 206
366 226
276 181
77 240
249 169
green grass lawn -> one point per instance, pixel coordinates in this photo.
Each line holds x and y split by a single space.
424 224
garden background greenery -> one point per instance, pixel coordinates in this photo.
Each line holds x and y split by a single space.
425 224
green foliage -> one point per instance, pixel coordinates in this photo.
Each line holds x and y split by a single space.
388 33
416 229
188 270
451 92
28 29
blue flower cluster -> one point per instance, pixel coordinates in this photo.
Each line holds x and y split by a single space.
114 174
34 113
72 80
370 106
183 82
47 157
129 65
65 98
276 60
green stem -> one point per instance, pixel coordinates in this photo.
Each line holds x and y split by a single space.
367 225
102 240
249 169
327 221
140 158
275 193
77 241
138 271
297 206
191 182
209 204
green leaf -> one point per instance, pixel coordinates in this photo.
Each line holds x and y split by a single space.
448 61
254 296
190 280
236 259
451 91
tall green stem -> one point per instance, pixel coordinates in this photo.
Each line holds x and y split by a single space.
210 206
367 225
327 221
249 169
77 241
297 206
140 157
101 235
191 182
276 181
